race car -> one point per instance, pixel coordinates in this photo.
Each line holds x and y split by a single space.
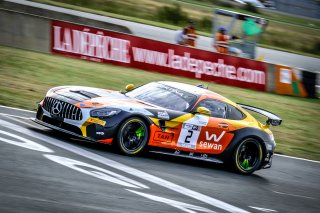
164 117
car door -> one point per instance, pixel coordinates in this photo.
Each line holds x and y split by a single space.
217 134
190 130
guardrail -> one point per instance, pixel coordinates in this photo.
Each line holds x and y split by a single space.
89 40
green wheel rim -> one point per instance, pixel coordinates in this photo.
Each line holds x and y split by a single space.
245 164
248 155
133 136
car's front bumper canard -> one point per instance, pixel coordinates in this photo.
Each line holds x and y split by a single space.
62 130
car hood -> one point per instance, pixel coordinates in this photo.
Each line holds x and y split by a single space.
89 97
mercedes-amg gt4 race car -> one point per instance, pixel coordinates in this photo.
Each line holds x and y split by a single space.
164 117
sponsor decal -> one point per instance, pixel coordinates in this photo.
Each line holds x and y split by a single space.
163 137
208 145
191 127
285 76
96 121
213 139
288 81
188 63
90 45
163 115
100 133
130 51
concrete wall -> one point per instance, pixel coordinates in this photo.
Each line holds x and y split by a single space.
28 27
63 16
24 31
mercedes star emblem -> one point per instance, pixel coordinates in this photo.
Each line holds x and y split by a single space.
56 108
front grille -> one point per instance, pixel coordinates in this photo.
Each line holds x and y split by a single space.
62 109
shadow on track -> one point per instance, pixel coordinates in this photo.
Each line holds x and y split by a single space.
209 168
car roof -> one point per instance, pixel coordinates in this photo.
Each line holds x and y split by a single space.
192 89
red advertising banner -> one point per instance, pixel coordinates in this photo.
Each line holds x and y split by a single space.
126 50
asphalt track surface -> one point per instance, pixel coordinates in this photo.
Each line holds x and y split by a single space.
205 43
45 171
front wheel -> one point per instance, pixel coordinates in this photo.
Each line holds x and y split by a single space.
132 136
247 156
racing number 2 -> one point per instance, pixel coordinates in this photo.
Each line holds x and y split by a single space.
189 135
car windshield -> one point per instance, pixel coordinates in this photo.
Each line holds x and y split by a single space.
164 96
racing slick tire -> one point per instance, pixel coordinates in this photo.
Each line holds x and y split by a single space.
247 156
132 136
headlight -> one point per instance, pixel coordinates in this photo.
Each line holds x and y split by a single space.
104 112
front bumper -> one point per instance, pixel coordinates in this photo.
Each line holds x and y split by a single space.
62 130
91 129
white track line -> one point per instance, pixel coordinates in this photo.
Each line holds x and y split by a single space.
285 156
124 168
64 203
296 158
24 110
263 209
15 116
32 124
293 195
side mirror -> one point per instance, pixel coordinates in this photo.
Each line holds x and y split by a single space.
204 111
129 87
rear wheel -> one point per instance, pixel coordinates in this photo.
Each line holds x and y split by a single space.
132 136
247 156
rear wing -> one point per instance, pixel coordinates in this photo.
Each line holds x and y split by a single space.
273 119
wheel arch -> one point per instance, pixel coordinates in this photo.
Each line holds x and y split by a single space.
138 115
242 134
119 145
262 143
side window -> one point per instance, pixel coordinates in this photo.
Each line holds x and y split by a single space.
218 109
234 113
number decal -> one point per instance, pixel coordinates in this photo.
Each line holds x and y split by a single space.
189 136
190 131
187 140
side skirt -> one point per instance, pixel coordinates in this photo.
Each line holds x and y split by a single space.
184 154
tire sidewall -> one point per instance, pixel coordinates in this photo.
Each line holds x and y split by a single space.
119 142
235 160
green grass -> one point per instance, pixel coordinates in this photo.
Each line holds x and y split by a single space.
285 32
26 76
